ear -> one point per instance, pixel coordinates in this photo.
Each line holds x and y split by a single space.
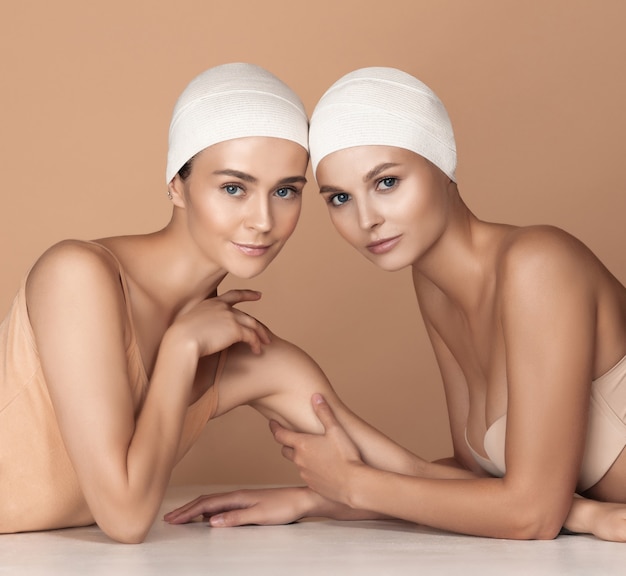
176 191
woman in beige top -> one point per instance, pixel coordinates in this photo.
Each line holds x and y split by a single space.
528 327
111 354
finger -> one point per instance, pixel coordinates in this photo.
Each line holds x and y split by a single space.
186 505
189 511
232 518
251 322
206 506
264 333
288 453
251 338
323 411
233 297
267 332
281 434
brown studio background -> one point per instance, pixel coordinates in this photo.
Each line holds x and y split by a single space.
535 90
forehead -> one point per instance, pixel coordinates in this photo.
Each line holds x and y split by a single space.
257 153
357 161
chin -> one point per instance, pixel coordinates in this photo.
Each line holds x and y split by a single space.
389 264
248 272
242 275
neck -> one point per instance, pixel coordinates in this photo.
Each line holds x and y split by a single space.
461 263
187 277
167 267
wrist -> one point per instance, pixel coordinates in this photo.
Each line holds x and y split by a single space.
177 361
355 490
321 507
312 504
582 516
176 341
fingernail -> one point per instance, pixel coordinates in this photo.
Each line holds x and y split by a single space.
217 520
318 399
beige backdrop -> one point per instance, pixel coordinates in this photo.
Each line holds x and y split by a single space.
535 89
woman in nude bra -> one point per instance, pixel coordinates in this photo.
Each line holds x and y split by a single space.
528 327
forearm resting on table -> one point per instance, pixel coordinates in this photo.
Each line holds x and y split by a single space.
125 506
481 506
316 505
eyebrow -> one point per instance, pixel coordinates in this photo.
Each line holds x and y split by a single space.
377 170
236 174
253 180
293 180
369 176
331 189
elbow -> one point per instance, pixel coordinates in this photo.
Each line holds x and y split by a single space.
535 523
125 532
533 512
124 515
126 524
539 530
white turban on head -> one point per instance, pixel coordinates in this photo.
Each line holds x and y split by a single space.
233 101
383 107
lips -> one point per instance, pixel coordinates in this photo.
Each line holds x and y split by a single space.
252 249
384 245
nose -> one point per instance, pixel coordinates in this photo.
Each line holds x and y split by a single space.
259 215
369 216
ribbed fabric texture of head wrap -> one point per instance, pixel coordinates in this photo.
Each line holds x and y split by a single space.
233 101
383 107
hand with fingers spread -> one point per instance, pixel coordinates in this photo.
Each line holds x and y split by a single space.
325 461
242 507
215 324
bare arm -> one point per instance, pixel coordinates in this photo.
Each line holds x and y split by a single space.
548 317
123 461
279 384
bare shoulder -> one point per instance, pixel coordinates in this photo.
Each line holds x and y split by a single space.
540 256
73 271
72 260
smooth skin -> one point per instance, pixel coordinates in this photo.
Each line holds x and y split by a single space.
232 214
521 320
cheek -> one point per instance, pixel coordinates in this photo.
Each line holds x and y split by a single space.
212 216
209 214
287 217
345 224
419 208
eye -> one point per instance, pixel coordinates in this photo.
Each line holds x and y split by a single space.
285 192
338 199
233 189
387 183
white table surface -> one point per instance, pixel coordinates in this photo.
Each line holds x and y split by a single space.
312 547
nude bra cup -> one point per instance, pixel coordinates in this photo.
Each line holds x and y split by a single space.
495 438
485 463
606 431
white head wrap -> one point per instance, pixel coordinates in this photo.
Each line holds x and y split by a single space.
383 107
232 101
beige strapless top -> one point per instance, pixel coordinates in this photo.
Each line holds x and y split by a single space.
606 431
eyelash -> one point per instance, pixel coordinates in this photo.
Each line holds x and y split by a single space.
332 197
391 187
225 187
294 191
